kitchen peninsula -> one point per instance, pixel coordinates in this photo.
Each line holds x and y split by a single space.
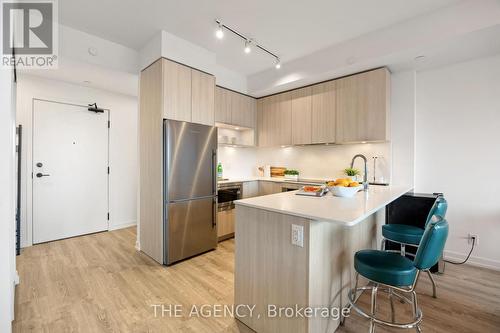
295 250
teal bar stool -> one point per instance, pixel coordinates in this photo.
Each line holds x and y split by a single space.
397 275
407 235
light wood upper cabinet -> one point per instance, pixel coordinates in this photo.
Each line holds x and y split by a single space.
275 120
323 112
235 109
283 118
222 105
301 116
347 110
243 110
177 91
363 106
203 98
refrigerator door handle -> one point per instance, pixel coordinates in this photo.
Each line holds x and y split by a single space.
214 171
193 199
214 213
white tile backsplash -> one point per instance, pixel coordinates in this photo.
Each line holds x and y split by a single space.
316 161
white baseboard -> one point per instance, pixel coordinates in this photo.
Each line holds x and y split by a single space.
137 245
473 260
122 225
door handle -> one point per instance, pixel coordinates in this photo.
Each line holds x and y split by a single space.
40 175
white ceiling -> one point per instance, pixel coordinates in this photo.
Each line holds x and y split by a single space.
291 29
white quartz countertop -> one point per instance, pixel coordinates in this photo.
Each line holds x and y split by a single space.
348 211
270 179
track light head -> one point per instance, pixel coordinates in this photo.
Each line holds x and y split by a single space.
278 63
219 33
248 46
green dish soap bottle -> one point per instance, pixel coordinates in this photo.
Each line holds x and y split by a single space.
219 170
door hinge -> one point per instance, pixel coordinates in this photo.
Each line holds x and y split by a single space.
108 216
109 123
108 170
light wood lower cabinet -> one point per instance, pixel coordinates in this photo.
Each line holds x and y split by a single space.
225 224
268 187
250 189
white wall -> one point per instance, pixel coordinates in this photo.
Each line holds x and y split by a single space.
457 151
123 143
403 127
167 45
7 201
316 161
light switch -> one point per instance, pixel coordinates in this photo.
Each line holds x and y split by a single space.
298 235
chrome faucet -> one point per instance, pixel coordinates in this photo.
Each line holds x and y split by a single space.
365 177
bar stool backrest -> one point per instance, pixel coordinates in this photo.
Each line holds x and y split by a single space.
432 244
439 208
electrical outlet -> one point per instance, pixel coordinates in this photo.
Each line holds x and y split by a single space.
298 235
470 237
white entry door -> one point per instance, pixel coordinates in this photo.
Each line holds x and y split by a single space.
70 171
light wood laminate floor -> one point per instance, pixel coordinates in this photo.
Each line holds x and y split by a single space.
100 283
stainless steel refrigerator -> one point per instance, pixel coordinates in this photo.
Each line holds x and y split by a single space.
190 189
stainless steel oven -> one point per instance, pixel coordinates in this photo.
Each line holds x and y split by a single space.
227 194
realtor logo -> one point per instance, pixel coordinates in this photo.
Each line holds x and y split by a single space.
29 33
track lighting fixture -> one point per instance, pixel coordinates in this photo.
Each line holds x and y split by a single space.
219 33
248 46
278 63
249 43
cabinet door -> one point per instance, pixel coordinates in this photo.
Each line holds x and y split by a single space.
363 107
266 125
265 188
275 120
301 116
203 98
250 189
177 91
323 112
243 110
268 187
222 105
283 119
225 224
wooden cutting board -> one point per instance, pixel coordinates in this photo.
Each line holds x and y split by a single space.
277 171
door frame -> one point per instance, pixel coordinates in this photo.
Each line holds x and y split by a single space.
30 169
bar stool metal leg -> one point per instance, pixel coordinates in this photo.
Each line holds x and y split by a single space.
434 292
391 300
416 310
373 307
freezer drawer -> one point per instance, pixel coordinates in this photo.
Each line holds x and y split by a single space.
191 228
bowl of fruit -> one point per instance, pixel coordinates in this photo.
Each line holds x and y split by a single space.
344 187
